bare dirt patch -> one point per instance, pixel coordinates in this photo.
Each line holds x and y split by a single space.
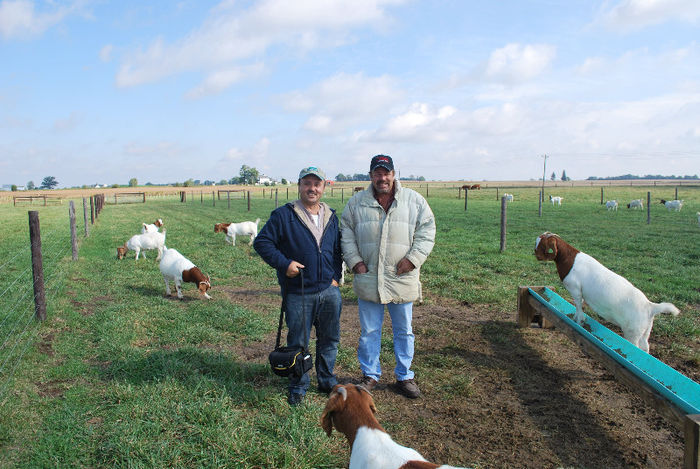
495 395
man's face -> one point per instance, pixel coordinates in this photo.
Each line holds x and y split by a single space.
311 189
382 180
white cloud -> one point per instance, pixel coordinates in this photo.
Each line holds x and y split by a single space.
420 121
635 14
20 18
106 53
516 63
230 35
219 80
343 100
68 123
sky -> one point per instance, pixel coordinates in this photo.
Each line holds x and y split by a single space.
99 91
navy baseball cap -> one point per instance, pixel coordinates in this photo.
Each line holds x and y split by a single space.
384 161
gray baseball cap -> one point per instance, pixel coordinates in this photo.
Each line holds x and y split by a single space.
313 170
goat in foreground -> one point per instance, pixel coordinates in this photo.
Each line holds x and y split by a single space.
636 203
611 205
153 227
243 228
142 242
608 294
350 409
675 205
176 267
556 200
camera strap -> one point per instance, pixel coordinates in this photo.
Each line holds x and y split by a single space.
283 308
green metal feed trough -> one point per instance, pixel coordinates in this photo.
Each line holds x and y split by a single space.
681 391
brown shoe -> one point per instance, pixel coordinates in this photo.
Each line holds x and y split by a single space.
408 388
368 382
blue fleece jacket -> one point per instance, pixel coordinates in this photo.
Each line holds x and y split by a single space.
285 238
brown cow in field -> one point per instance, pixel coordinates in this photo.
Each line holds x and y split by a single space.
358 188
475 187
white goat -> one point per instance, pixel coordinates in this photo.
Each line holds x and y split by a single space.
636 203
556 200
176 267
675 205
608 294
152 227
243 228
611 205
509 197
350 409
143 242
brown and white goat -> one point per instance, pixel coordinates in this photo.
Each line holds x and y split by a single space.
153 227
243 228
176 267
608 294
350 409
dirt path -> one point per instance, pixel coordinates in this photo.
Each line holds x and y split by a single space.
501 396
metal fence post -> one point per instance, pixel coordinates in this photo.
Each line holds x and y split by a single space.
503 224
73 237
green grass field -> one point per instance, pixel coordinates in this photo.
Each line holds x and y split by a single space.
120 376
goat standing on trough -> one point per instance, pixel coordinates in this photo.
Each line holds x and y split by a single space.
152 227
675 205
243 228
176 267
608 294
350 409
142 242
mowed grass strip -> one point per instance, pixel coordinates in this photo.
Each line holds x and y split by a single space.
122 376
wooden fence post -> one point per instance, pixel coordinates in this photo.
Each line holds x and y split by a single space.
73 237
342 194
92 209
466 196
276 205
213 199
676 193
648 208
37 267
540 201
601 195
426 190
497 198
503 224
249 201
85 217
228 198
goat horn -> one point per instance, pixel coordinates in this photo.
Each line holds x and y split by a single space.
343 392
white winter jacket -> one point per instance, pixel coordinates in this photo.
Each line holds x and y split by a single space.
382 239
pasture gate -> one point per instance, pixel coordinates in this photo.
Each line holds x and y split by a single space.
672 394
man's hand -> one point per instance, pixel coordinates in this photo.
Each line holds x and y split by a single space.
293 269
360 268
404 266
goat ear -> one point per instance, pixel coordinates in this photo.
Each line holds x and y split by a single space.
335 403
550 247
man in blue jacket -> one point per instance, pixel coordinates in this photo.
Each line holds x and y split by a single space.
304 235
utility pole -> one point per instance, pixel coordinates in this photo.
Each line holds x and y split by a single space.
544 170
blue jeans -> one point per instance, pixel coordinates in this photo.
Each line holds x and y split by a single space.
321 309
371 319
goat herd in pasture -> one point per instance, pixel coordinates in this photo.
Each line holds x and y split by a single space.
350 408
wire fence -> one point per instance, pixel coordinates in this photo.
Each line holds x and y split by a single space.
19 301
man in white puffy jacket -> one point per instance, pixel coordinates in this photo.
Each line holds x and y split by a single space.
387 232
